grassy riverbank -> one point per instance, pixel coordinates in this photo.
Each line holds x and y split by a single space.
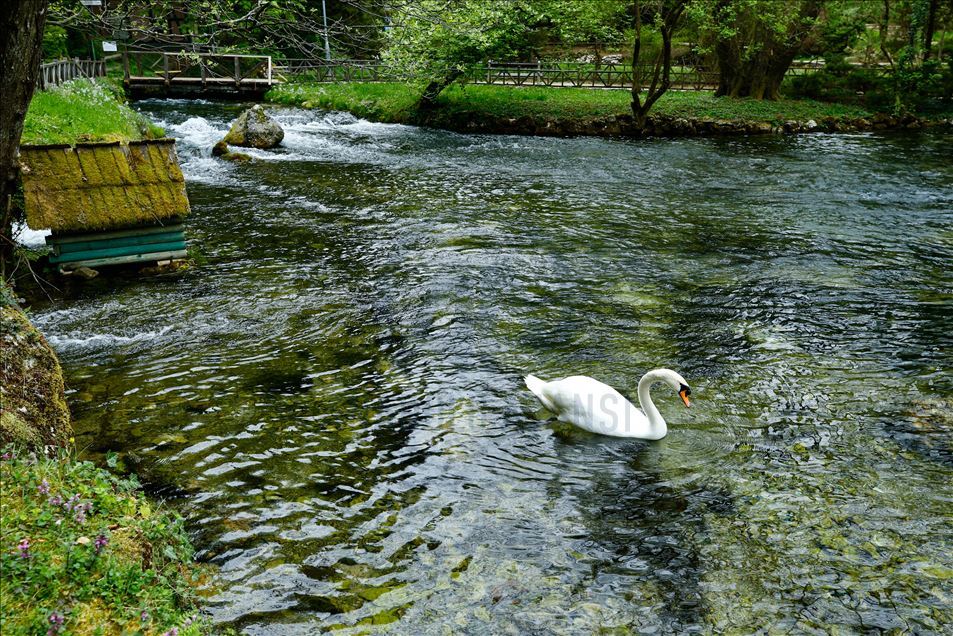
572 111
84 110
84 552
393 102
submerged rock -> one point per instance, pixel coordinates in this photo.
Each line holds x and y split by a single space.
254 129
86 273
237 157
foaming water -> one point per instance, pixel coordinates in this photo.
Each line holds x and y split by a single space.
336 396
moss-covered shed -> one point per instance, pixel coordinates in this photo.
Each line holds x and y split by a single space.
102 186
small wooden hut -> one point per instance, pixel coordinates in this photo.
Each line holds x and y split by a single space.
106 203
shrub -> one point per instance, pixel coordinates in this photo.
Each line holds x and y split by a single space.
55 43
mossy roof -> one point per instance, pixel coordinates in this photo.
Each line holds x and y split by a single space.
102 186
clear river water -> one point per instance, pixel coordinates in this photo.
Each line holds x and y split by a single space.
333 396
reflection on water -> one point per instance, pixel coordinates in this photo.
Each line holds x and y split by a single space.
336 399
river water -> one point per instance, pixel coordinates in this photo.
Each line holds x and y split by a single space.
333 398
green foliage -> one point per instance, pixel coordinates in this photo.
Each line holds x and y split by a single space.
55 42
84 110
754 41
83 552
439 40
573 22
840 31
915 76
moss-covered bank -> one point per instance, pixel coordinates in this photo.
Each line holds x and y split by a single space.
570 111
33 411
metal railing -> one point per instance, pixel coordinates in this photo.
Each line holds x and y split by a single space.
55 73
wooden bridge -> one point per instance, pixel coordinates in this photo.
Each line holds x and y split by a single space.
162 73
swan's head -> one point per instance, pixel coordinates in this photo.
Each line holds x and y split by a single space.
677 382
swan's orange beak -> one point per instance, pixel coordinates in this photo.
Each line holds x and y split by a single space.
684 395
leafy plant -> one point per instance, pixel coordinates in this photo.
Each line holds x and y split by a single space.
82 551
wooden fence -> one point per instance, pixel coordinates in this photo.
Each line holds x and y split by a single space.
55 73
577 75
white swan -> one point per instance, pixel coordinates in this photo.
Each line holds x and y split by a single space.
598 408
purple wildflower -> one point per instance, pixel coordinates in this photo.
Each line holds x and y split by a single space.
56 624
6 456
24 547
101 542
44 487
144 616
80 516
172 632
56 501
72 502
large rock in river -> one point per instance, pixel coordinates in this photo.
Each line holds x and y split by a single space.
255 129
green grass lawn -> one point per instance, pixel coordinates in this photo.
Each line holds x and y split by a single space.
84 110
395 102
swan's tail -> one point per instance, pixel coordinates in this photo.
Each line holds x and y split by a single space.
536 385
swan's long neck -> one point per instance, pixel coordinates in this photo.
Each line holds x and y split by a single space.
657 425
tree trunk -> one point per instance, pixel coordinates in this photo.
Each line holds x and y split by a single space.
930 29
21 34
429 97
885 32
760 76
661 72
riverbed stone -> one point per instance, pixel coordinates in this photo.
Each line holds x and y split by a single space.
255 129
220 149
236 157
86 273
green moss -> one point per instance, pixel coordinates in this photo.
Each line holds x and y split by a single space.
14 429
31 385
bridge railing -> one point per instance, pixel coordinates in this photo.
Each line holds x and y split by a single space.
55 73
336 70
184 67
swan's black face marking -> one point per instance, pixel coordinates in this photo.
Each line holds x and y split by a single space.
684 392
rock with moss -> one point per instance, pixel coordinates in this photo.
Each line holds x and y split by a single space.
33 410
255 129
236 157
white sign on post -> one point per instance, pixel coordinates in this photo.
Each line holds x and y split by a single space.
109 47
91 3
